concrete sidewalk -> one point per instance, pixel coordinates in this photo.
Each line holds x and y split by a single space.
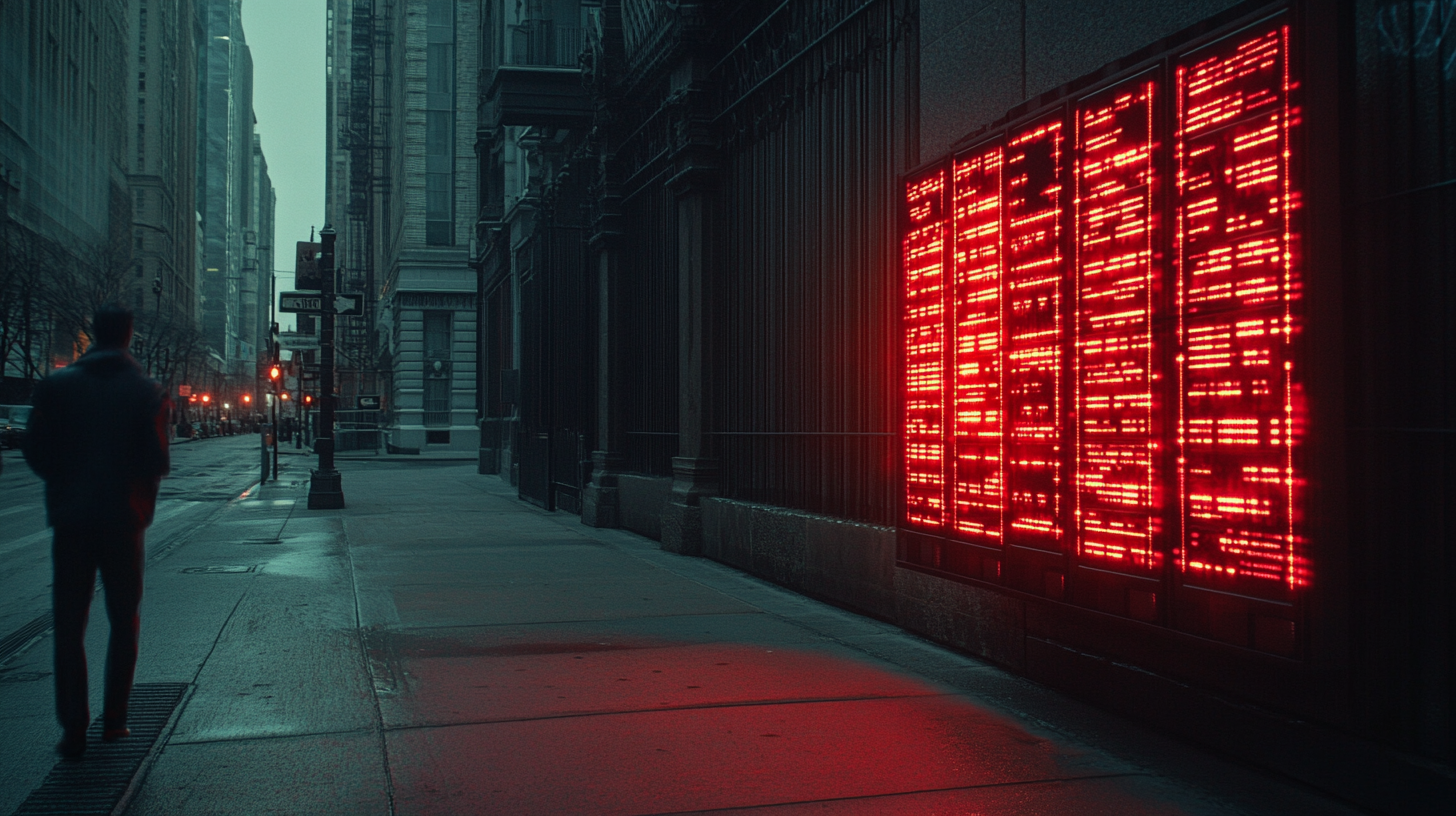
440 647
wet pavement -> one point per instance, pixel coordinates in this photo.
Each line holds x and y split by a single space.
440 647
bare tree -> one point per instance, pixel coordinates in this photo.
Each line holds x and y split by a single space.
27 262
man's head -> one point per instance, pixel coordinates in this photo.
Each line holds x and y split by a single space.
112 327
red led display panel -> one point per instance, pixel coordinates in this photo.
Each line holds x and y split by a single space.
1116 494
925 352
1238 293
1101 315
1033 331
979 490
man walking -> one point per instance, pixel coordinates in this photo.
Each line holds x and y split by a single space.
98 437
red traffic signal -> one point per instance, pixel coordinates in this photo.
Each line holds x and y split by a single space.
207 398
247 399
308 399
274 373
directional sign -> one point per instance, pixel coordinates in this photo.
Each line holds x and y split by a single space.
297 341
348 304
313 303
300 302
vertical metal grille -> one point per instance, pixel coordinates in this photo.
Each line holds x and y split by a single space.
805 345
649 328
1400 365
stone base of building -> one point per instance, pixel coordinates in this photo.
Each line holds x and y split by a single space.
463 438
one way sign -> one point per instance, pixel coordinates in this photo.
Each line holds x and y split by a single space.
313 303
348 304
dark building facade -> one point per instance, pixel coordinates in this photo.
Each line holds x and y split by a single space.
1104 341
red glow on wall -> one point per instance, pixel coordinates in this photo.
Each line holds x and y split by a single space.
925 381
1238 419
977 432
1101 313
1034 332
1117 429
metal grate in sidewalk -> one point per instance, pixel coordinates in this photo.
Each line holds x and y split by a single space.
97 782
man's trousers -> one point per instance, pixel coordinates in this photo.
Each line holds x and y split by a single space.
76 556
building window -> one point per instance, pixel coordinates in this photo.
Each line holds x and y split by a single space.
437 368
440 125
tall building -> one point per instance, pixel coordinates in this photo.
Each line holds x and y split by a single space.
265 204
162 158
65 207
225 187
402 197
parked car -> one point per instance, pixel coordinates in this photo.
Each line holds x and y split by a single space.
13 421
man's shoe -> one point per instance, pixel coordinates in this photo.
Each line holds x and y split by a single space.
114 734
72 745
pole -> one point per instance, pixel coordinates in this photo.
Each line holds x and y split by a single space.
326 490
275 437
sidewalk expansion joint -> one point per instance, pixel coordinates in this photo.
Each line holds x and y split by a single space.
348 732
861 698
103 779
874 796
554 623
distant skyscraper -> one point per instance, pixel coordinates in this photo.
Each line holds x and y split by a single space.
162 158
226 186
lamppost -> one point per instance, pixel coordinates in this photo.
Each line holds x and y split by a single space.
325 488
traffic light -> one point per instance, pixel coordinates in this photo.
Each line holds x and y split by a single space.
283 396
247 399
308 399
206 398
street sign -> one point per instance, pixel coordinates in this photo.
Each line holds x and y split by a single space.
298 341
184 390
313 303
367 403
348 305
297 302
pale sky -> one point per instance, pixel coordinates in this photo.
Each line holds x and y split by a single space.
287 40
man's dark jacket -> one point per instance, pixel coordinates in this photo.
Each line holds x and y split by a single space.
98 437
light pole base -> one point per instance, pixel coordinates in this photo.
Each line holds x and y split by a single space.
326 490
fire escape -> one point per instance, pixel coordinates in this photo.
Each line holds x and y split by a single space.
365 139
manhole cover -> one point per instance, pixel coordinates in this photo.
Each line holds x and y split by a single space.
220 569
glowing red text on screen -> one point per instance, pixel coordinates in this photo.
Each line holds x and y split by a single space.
1117 432
978 314
1155 417
1238 417
1034 332
925 381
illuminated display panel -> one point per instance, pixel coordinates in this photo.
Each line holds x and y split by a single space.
925 337
1033 334
1238 291
1167 386
1116 492
979 491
